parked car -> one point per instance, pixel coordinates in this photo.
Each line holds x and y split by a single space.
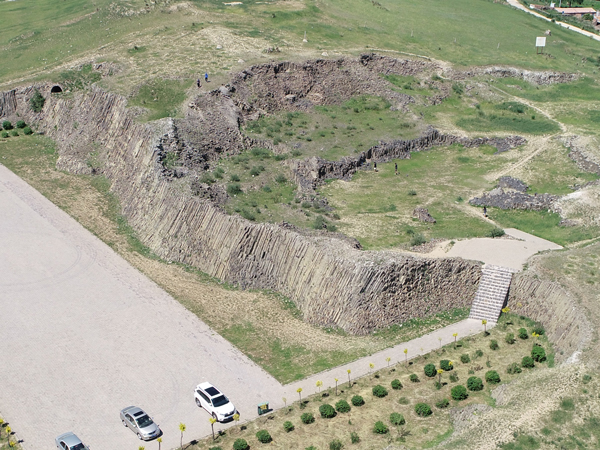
140 423
69 441
214 401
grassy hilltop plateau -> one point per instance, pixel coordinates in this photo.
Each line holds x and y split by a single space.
337 120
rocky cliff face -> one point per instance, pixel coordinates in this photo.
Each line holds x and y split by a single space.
333 283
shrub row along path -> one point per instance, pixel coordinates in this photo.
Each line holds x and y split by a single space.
84 334
518 5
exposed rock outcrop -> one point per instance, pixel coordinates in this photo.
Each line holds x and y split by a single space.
333 283
505 199
423 215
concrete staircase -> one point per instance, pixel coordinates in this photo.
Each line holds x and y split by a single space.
492 292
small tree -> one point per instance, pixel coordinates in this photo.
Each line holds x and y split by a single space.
406 356
459 392
182 429
484 323
159 440
440 372
212 421
319 384
492 377
371 366
388 359
349 385
455 335
336 382
299 391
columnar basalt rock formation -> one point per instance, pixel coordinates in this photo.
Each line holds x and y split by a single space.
333 283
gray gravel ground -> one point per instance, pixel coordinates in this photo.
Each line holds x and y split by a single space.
83 334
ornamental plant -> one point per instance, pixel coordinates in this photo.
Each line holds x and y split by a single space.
494 344
509 338
357 400
491 376
336 444
423 409
527 362
7 125
342 406
514 368
414 378
27 131
379 391
288 426
465 359
327 411
397 419
442 403
396 385
446 365
307 418
459 392
474 384
21 124
4 134
263 436
522 333
240 444
430 370
380 428
538 353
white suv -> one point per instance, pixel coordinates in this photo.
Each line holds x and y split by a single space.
216 403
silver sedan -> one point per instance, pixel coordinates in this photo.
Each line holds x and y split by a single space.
140 423
69 441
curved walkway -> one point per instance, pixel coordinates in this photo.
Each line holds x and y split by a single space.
518 5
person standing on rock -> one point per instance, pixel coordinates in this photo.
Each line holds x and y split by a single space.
375 166
198 82
206 77
396 168
484 211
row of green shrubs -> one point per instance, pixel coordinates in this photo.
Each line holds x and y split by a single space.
9 130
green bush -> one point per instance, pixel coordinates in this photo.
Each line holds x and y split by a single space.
527 362
37 102
509 338
396 385
478 353
403 401
397 419
307 418
423 409
281 178
380 428
538 329
414 378
459 392
491 376
538 353
379 391
443 403
27 130
234 177
327 411
240 444
430 370
453 377
14 133
288 426
207 178
7 125
465 359
215 448
495 232
457 88
523 333
494 344
446 365
263 436
336 444
513 368
474 384
267 188
354 438
417 239
234 189
357 400
342 406
21 124
4 134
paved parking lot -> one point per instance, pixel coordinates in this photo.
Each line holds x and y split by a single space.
83 334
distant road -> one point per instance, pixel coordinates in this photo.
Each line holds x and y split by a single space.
518 5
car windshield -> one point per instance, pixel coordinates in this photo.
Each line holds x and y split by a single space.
79 446
144 421
220 401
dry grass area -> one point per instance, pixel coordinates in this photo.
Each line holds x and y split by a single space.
417 432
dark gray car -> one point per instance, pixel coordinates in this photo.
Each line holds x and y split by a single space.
140 423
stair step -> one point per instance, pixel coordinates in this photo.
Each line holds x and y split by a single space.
491 294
